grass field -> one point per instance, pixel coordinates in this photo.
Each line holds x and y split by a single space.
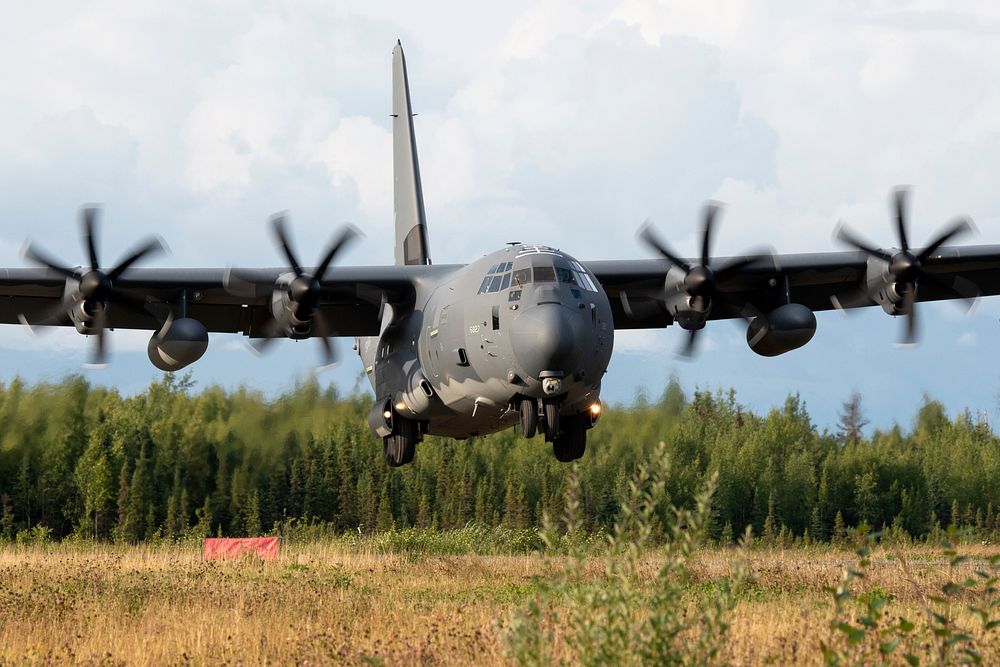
326 602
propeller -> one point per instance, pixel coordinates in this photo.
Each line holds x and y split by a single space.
906 268
95 289
704 282
301 314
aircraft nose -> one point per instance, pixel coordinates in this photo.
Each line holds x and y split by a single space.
547 337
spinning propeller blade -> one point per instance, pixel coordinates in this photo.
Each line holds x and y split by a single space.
303 292
703 282
95 287
906 270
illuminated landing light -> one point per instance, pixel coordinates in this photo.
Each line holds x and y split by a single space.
387 414
595 412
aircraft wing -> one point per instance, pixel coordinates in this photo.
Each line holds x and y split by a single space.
814 280
352 297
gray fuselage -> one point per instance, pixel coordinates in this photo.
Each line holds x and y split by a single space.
489 333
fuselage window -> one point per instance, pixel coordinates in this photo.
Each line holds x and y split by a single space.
495 285
515 295
506 281
522 277
486 285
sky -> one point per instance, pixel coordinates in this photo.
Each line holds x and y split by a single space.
563 123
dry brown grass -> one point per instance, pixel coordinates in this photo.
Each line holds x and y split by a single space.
322 604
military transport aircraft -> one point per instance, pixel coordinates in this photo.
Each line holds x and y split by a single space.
520 337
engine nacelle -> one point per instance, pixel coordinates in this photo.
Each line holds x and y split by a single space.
784 329
182 343
680 304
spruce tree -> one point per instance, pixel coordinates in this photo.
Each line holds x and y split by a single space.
251 514
384 521
839 529
816 528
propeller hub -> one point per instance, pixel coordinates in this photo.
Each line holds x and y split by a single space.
700 280
905 266
95 286
304 290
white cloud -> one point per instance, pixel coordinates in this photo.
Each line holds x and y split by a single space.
355 157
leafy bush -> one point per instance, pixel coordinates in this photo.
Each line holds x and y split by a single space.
38 536
866 634
627 615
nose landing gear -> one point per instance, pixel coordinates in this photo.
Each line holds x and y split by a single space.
529 417
568 435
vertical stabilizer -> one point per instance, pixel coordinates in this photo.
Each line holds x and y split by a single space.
408 196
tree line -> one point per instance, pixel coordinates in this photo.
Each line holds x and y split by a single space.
173 462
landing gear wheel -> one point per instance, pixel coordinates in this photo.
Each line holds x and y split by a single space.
399 448
529 417
551 420
561 447
572 441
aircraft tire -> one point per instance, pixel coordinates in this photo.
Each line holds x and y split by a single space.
572 441
400 447
529 417
563 450
579 438
551 420
575 434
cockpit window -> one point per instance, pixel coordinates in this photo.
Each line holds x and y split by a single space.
563 270
571 273
544 274
583 278
498 278
565 276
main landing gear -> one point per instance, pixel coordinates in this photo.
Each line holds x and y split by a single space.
568 435
571 443
399 447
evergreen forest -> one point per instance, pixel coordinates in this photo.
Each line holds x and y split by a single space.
174 462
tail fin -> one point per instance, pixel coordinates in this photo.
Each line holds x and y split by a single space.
408 196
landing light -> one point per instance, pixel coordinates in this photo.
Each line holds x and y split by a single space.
387 414
595 409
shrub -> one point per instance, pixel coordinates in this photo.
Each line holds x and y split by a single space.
865 633
38 536
624 615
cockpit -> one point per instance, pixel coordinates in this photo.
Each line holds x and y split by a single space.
536 264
